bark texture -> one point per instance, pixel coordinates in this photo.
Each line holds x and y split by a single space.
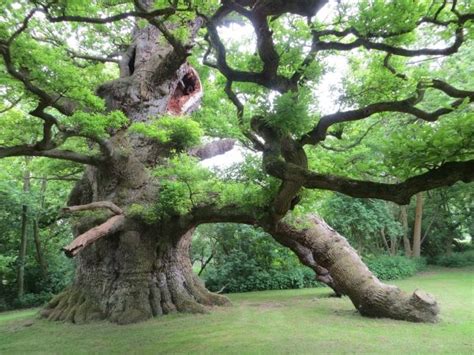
132 276
370 296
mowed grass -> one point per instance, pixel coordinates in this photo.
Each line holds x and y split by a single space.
272 322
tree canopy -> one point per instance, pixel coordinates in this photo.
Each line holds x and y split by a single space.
55 55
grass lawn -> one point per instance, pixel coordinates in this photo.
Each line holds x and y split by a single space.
275 322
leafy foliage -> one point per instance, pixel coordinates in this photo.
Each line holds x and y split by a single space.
179 132
95 124
362 221
456 259
394 267
384 148
247 259
289 113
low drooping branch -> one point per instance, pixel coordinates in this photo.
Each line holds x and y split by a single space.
111 226
445 175
306 257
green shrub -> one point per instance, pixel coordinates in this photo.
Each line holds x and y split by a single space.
32 300
240 274
465 258
394 267
4 306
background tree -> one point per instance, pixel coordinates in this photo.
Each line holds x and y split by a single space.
140 175
245 258
45 271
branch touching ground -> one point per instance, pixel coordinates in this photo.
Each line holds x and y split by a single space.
370 296
111 226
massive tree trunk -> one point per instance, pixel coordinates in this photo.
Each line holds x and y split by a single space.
370 296
138 270
132 276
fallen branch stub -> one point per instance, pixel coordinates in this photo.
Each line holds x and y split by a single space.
112 225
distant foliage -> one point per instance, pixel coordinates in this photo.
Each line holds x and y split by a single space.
394 267
181 132
362 221
54 233
241 273
247 259
465 258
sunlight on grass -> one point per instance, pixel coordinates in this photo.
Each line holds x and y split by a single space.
290 321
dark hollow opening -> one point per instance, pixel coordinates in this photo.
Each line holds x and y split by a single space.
131 62
186 87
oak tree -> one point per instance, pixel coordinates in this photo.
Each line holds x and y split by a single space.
114 85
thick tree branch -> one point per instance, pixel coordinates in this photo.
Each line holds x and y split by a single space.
93 58
111 226
114 18
35 151
267 77
213 149
445 175
362 42
94 206
407 106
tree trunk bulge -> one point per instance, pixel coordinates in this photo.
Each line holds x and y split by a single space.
370 296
